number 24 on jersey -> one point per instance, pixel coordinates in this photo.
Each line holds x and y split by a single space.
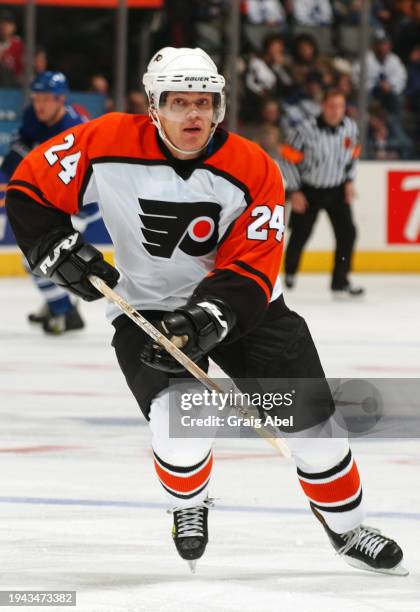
266 219
68 163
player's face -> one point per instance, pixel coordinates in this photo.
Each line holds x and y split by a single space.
334 109
187 119
48 107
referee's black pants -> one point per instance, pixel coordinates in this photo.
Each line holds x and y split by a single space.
339 212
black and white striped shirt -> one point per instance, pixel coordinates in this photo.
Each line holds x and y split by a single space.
320 155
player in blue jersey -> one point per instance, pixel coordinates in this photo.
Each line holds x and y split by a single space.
47 116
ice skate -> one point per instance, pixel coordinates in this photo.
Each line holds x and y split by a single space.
58 324
367 549
190 532
347 292
39 315
289 281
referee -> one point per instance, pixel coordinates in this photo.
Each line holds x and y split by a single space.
318 163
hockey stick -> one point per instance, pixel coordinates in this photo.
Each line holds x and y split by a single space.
279 445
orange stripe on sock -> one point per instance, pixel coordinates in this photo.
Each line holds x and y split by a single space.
335 491
184 484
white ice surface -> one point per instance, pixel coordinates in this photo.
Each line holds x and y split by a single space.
80 507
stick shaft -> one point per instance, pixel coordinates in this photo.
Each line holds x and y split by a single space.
181 357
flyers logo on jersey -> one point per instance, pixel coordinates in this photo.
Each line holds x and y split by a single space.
193 227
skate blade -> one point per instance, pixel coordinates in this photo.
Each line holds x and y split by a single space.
398 570
192 565
346 297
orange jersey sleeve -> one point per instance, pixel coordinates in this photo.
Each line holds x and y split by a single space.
249 255
254 245
53 173
56 172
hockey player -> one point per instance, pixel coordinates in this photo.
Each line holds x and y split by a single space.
196 217
47 116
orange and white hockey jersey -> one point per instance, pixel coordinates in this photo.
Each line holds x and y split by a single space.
213 225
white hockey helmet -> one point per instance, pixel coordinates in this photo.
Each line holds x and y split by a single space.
183 70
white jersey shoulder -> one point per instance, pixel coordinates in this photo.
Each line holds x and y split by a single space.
165 227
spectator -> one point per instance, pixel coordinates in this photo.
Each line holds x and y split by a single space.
327 72
305 56
413 94
269 74
270 112
312 12
137 103
11 51
211 9
345 86
384 139
399 14
381 14
386 74
99 84
40 62
347 12
180 19
386 80
402 7
269 135
409 34
308 105
267 12
413 82
269 138
377 136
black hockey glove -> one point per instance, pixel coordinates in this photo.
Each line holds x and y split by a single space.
67 260
195 328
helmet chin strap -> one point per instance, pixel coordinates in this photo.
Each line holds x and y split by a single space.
156 121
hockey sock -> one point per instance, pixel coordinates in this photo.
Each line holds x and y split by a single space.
57 299
185 485
61 306
336 494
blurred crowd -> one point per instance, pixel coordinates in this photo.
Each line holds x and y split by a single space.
295 51
12 54
291 52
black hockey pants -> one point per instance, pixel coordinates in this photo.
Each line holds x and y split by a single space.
279 347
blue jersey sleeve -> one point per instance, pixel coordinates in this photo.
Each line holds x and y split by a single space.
22 142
